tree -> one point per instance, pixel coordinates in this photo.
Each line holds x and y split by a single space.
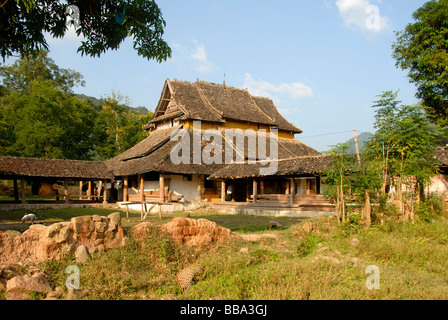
337 179
23 72
47 123
404 145
120 126
422 49
104 24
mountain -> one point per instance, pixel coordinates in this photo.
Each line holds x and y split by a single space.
362 140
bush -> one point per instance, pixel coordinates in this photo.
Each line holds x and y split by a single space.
309 244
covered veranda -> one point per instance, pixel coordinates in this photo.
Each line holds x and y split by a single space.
56 181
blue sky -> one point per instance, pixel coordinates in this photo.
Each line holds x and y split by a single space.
322 61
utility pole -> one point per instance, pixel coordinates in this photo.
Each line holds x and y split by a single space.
357 147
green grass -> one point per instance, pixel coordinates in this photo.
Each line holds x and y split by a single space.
324 264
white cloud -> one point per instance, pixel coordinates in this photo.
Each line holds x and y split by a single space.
196 57
294 90
363 15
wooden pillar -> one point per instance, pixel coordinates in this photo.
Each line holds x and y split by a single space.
80 190
293 191
125 188
200 179
223 190
16 191
100 188
105 192
142 186
261 186
287 191
317 185
66 191
22 189
89 191
247 192
255 190
162 188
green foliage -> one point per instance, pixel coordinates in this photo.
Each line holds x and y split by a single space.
24 22
422 49
120 127
405 142
19 76
309 244
41 117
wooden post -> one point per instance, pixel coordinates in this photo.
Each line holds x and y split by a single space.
80 190
287 191
66 200
89 191
255 190
105 192
247 192
22 190
16 191
142 187
125 188
293 191
223 190
100 187
162 188
200 187
261 186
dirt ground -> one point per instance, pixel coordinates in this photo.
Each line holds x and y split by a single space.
13 225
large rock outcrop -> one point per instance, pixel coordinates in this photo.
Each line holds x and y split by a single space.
192 232
39 242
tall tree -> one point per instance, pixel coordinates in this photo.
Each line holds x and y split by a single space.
23 72
47 123
405 144
120 126
422 49
104 24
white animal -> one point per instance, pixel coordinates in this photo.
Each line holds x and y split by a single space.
29 217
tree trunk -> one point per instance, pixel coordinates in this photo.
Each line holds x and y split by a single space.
366 211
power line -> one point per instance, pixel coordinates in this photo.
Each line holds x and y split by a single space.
329 134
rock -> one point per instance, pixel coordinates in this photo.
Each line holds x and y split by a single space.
192 232
322 249
20 287
354 242
73 294
13 233
54 242
82 254
141 230
115 218
307 227
275 224
82 224
2 284
55 294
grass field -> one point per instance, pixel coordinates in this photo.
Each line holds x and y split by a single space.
327 263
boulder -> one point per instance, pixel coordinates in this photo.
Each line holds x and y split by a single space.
20 287
39 242
275 224
192 232
82 254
